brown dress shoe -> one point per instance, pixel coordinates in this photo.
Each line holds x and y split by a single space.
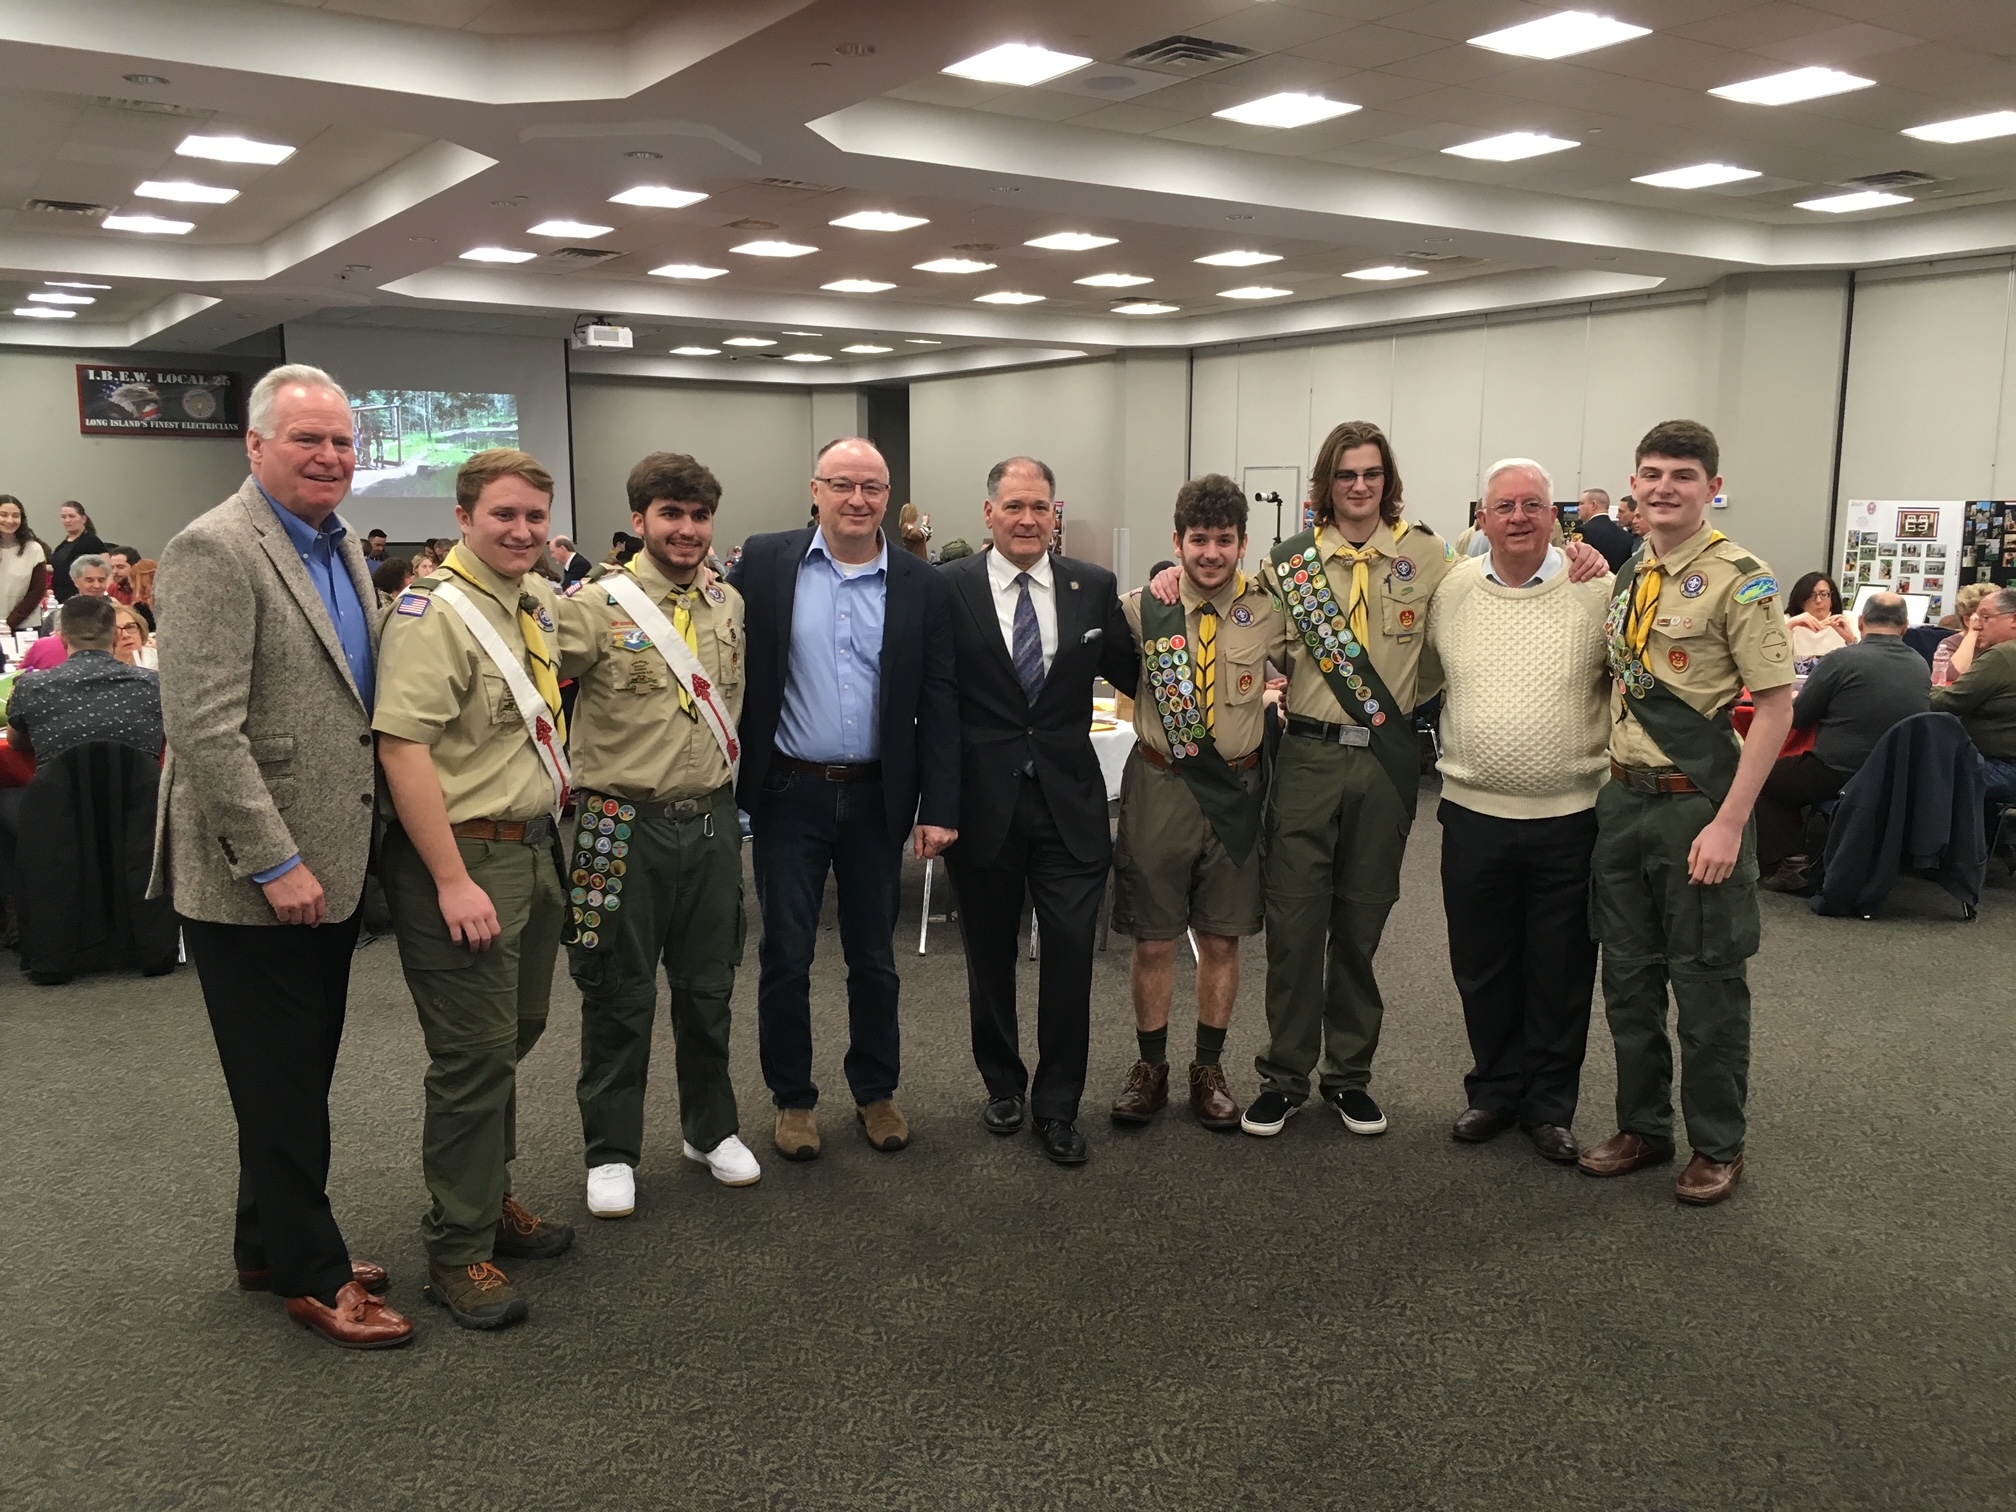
1622 1153
368 1274
1145 1094
357 1321
1210 1099
797 1134
884 1124
1705 1181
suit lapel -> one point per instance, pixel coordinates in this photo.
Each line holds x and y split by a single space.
279 548
1071 611
977 590
790 560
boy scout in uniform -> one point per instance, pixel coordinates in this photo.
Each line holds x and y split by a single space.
468 719
1674 879
1188 853
655 857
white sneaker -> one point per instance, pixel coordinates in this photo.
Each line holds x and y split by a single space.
612 1191
730 1161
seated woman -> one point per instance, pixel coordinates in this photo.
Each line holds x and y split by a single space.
1955 654
1816 622
131 641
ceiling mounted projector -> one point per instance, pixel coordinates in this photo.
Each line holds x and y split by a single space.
601 336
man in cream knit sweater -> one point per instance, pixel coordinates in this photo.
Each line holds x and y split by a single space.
1524 738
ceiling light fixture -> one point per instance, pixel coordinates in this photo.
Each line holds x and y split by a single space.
1253 291
644 155
1699 176
879 220
43 312
579 229
148 225
1286 111
43 296
498 255
953 265
1008 297
234 149
921 341
1791 87
1860 199
687 270
1978 128
1145 307
696 351
857 286
1015 63
866 349
806 357
145 81
64 283
804 333
185 193
1511 147
774 249
749 341
1560 35
1388 273
1071 241
1239 259
1114 280
658 197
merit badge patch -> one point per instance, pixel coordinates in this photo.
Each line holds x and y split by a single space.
1403 569
1757 588
414 604
1677 659
1245 683
1694 587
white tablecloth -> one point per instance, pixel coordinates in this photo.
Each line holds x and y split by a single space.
1113 746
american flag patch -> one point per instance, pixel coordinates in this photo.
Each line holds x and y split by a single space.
414 604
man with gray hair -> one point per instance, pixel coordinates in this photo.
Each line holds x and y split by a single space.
1985 697
92 576
264 826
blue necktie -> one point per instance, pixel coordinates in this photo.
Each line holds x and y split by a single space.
1028 643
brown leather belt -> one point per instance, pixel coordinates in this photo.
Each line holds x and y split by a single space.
1647 780
519 831
866 771
1244 763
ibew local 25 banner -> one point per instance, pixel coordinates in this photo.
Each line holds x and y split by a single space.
158 401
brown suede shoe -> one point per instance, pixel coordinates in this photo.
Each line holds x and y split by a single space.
1210 1099
1706 1181
1622 1153
357 1321
368 1274
797 1134
476 1296
524 1235
884 1124
1145 1094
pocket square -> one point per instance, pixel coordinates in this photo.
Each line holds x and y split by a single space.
1090 636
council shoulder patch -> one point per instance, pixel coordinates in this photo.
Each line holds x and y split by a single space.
414 604
1759 587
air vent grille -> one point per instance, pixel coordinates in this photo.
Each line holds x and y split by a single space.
582 256
149 107
66 207
1188 55
1897 178
791 183
751 224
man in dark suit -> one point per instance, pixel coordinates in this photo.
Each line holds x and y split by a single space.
573 566
1599 530
1033 631
850 739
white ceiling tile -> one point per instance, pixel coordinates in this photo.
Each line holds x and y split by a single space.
1369 46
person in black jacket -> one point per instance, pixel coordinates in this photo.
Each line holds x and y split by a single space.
80 538
849 738
1033 630
1599 530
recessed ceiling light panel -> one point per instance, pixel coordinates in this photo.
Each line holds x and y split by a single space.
64 283
1016 63
1114 280
43 312
1997 123
1791 87
804 333
1511 147
1008 297
234 149
749 341
774 249
185 193
857 286
148 225
954 265
921 341
879 220
46 296
1560 35
658 197
1071 241
687 270
1388 273
1253 291
866 349
1285 111
1860 199
1698 176
1239 259
579 229
696 351
498 255
1145 307
806 357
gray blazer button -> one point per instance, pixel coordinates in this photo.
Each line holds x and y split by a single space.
364 739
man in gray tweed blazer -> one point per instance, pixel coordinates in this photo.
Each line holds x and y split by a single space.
268 627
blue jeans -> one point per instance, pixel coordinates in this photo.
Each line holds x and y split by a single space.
805 826
1998 775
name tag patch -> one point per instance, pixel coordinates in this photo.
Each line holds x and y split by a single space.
414 604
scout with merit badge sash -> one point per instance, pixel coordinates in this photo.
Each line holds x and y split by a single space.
1182 684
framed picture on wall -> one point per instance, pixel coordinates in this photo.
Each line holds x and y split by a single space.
158 401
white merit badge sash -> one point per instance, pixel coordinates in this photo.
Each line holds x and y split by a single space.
531 703
679 659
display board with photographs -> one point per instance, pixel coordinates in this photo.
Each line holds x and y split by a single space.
1988 543
1909 546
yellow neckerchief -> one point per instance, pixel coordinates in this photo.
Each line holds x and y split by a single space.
682 621
1207 652
1361 559
1645 598
465 564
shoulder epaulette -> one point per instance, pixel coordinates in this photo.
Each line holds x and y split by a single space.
1748 564
425 582
1422 527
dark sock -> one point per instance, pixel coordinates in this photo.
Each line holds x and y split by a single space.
1209 1043
327 1299
1154 1044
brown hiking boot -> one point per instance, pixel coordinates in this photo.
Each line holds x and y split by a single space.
1145 1094
523 1235
1210 1099
476 1296
884 1124
797 1134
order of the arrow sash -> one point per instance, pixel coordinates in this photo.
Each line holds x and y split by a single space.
1170 673
1322 618
679 661
531 703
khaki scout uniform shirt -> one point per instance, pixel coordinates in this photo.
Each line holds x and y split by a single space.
1251 629
1718 629
438 687
630 736
1403 580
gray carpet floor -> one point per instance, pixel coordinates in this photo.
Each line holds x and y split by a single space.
1192 1320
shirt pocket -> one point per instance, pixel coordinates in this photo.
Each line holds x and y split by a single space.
1244 676
1401 611
497 699
728 646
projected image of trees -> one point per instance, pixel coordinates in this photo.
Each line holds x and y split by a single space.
411 441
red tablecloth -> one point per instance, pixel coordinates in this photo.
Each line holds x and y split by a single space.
1797 742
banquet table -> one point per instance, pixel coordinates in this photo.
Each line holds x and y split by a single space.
1797 742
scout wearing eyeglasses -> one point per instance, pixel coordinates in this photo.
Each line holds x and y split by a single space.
655 855
1674 879
1188 853
470 737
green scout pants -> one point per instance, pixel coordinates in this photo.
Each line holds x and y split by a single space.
1655 926
1336 833
480 1012
682 907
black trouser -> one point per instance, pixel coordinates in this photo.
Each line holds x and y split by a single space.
1033 862
1794 782
276 995
1516 892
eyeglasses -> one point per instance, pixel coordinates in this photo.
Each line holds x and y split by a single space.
1373 475
1504 509
844 486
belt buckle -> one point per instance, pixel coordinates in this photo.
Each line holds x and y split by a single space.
684 808
835 772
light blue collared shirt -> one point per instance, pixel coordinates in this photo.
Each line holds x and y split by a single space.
832 708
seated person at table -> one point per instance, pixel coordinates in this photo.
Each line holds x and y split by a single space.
132 643
1815 621
122 589
1955 654
1985 698
1855 695
93 576
390 578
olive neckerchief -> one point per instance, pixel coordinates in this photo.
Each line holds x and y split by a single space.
1344 659
1703 746
1169 674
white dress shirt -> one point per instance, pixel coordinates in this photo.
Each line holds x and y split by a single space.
1550 564
1001 573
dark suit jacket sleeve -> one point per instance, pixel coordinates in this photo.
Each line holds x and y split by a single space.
938 711
1119 656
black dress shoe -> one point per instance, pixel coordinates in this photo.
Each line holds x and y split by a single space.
1556 1143
1062 1142
1479 1124
1003 1115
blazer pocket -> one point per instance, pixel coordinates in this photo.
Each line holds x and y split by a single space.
275 756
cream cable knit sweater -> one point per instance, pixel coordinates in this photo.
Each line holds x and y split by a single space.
1526 720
